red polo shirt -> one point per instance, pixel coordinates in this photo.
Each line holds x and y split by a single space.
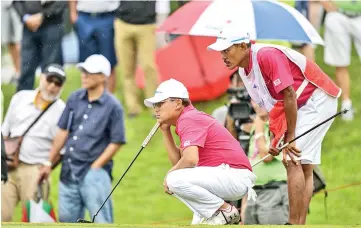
215 143
279 72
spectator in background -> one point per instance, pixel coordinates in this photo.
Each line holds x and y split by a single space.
271 205
175 5
94 25
4 168
315 14
303 6
11 32
92 130
342 23
42 36
135 36
25 107
162 9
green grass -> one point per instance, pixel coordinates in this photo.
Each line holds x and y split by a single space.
18 225
139 199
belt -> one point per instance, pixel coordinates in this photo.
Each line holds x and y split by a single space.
270 185
100 14
350 14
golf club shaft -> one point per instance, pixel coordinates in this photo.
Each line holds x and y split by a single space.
147 139
151 133
313 128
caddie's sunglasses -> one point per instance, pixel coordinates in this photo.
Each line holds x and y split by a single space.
56 82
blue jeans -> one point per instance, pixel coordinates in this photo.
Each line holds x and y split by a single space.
39 48
89 194
96 36
302 7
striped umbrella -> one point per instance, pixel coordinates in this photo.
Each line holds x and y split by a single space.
264 20
39 211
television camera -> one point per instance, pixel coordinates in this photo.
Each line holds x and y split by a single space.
240 110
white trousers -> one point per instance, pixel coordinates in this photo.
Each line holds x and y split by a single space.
204 189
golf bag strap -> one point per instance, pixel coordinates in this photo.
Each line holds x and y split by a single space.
37 118
301 88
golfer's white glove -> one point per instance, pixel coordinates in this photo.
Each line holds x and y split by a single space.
251 194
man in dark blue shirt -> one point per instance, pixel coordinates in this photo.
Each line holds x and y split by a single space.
91 131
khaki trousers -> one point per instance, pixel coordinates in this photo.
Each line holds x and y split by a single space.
133 43
22 185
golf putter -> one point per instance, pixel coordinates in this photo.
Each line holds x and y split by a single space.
305 133
144 144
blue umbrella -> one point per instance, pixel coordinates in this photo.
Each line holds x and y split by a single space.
265 20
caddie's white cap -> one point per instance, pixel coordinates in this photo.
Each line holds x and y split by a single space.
96 64
229 35
167 89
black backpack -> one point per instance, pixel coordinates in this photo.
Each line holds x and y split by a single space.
319 185
319 181
4 169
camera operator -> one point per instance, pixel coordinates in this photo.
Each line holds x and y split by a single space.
238 121
271 206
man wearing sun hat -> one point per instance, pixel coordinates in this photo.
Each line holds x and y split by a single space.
296 93
25 107
209 166
91 131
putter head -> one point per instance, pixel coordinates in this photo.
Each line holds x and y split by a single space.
344 111
83 221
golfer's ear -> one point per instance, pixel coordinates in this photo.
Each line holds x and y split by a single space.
179 103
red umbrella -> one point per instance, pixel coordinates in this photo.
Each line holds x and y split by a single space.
187 60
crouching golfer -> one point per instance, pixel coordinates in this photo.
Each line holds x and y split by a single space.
209 166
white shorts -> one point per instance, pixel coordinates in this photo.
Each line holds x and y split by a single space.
339 32
318 108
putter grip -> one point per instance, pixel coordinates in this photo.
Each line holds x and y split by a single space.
265 157
151 133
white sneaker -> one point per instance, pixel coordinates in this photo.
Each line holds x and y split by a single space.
223 217
348 116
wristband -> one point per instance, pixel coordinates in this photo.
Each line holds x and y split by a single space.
47 163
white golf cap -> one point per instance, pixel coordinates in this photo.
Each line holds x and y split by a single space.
167 89
229 35
96 64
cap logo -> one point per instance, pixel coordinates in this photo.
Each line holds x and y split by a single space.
52 69
157 92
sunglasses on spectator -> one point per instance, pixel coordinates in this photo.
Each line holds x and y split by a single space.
55 81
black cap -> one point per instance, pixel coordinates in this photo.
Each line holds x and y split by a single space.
55 70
